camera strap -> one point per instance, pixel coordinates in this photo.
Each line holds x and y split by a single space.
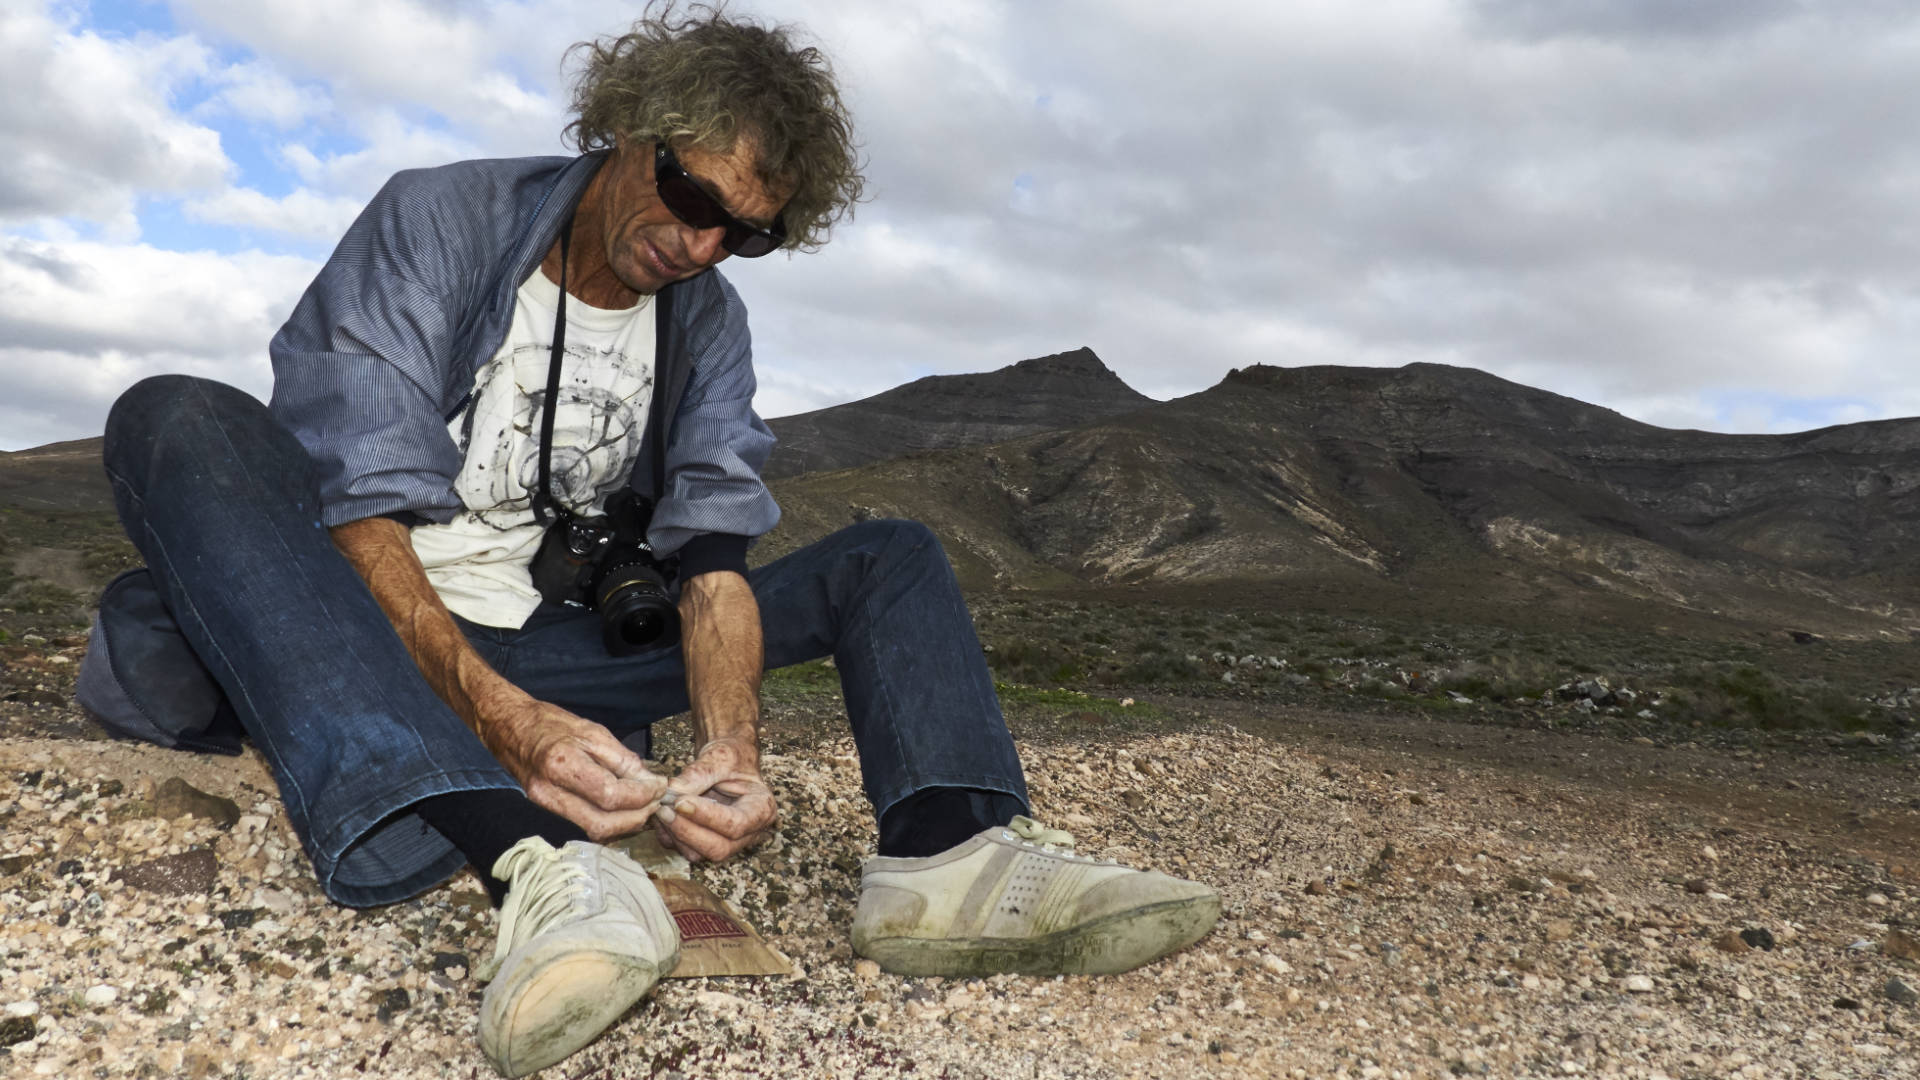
541 498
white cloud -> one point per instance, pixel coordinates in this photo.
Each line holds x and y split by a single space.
1692 216
258 91
300 213
83 320
86 125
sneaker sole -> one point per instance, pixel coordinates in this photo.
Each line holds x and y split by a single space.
1106 946
561 1004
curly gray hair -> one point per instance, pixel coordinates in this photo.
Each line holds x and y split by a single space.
716 79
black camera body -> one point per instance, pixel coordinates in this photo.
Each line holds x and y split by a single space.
605 564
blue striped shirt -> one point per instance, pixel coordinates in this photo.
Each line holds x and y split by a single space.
382 349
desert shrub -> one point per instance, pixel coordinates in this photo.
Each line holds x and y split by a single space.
40 598
1149 670
1502 676
106 557
1746 696
1027 661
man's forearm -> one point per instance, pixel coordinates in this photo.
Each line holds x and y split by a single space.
720 638
383 554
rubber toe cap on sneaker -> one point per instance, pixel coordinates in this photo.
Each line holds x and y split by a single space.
1141 890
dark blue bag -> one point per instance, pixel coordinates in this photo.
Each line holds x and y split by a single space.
141 680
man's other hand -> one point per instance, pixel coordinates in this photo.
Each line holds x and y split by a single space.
719 805
577 769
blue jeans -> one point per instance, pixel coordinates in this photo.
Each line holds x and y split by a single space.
223 504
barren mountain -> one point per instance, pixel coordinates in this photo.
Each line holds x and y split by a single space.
1424 476
57 476
1435 484
942 412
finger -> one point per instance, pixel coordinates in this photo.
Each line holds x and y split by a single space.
588 779
611 753
697 777
743 817
698 840
598 824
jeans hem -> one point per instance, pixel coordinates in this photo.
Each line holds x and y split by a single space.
374 827
886 800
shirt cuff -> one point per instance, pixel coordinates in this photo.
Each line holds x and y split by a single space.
708 552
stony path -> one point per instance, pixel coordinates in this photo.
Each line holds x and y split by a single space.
1390 912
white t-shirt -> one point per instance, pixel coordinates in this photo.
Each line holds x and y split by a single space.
478 561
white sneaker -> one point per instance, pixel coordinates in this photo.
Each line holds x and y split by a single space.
583 935
1017 899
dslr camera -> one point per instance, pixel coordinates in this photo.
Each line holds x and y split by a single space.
604 563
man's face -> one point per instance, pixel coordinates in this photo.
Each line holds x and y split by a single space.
648 248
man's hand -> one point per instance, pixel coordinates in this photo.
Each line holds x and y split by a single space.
718 806
577 769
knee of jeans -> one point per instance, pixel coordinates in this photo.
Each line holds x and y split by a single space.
164 403
894 537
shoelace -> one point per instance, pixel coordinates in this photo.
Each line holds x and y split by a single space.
1033 832
539 894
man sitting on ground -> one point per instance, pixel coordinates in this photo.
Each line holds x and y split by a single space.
394 576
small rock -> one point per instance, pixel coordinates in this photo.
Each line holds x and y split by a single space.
277 901
17 1029
1901 945
1846 1003
1274 965
1697 887
1316 887
177 798
720 1003
453 965
1639 984
1877 899
172 875
239 918
28 1007
1559 929
13 864
1731 942
866 971
1759 937
101 996
392 1003
1898 990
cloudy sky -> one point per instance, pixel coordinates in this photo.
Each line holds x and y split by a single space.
1699 212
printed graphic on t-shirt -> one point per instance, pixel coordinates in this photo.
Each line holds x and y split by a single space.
478 561
596 434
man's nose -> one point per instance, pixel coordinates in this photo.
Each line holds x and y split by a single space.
705 248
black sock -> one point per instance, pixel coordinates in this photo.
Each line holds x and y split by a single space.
929 822
484 824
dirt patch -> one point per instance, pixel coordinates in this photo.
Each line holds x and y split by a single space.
59 567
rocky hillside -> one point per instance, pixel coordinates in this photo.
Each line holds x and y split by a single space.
1438 485
57 476
941 412
1428 477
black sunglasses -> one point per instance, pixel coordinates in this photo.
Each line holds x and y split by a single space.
692 204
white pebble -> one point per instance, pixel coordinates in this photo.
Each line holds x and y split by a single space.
102 996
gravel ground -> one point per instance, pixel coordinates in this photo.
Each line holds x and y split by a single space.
1388 913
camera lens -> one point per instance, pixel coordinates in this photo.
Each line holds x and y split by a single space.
636 614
